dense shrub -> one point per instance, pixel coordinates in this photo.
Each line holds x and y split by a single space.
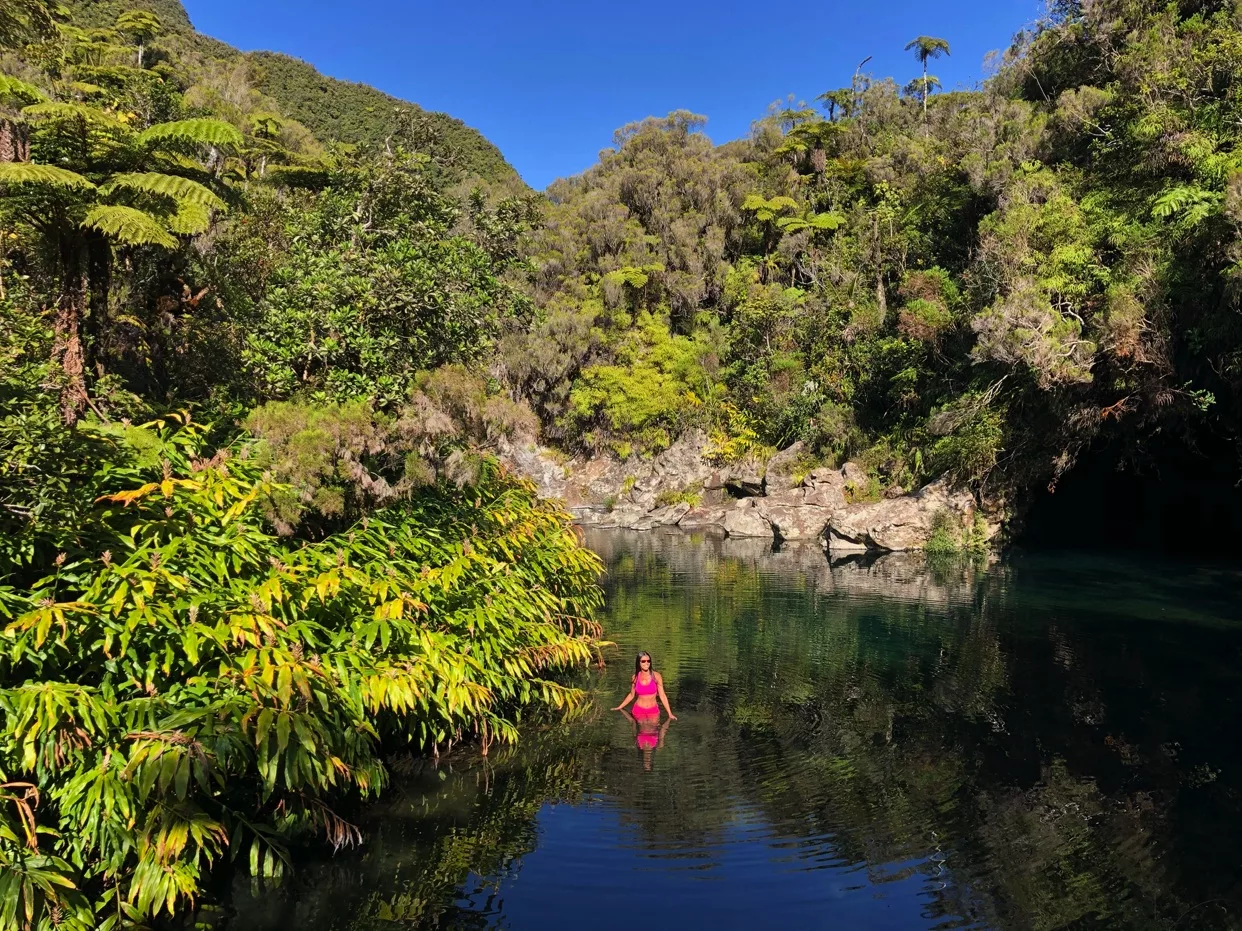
184 687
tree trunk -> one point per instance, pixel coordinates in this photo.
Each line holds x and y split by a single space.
924 92
71 306
99 280
14 143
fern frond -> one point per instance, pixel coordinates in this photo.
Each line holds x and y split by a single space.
84 88
195 131
767 209
13 91
49 175
825 221
175 162
58 110
190 219
106 74
128 226
1195 203
182 190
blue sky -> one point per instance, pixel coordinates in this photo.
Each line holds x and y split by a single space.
548 82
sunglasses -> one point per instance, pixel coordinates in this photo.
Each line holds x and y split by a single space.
644 662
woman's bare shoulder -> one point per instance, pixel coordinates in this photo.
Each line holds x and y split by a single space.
659 678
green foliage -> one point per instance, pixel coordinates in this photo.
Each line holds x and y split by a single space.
25 21
973 437
193 132
952 534
214 636
61 111
926 47
366 283
19 93
101 13
691 495
128 226
766 210
181 190
945 536
647 396
342 111
184 686
15 173
1007 261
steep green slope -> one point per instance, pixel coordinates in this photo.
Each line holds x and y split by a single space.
96 14
344 111
334 110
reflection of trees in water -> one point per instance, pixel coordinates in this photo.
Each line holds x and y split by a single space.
1039 765
434 830
1017 749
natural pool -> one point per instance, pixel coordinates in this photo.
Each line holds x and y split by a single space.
1050 741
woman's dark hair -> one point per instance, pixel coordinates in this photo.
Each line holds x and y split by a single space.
638 662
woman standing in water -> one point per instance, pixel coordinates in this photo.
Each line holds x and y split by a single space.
646 685
644 688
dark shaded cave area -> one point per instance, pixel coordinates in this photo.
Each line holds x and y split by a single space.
1173 496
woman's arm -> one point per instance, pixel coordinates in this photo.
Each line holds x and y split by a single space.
663 697
628 698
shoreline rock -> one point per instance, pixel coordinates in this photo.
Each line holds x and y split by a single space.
752 499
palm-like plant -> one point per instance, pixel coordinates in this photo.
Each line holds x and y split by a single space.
24 21
99 184
14 95
840 99
140 26
922 87
926 47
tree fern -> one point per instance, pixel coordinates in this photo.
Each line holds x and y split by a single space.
1194 203
83 88
13 91
768 209
128 226
190 218
182 190
58 110
815 221
196 131
14 173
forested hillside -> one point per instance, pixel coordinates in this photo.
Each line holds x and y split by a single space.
333 110
251 537
980 284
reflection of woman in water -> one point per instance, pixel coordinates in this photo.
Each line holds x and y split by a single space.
646 686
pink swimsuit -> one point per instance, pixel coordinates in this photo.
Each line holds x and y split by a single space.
650 688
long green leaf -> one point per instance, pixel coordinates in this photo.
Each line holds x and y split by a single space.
128 226
182 190
49 175
13 91
195 131
57 110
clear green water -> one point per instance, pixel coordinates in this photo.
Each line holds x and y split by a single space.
1052 741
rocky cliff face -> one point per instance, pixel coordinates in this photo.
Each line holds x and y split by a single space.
765 500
